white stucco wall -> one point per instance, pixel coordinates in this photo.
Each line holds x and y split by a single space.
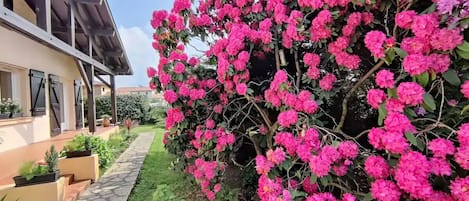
21 53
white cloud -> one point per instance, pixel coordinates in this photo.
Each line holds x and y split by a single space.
137 43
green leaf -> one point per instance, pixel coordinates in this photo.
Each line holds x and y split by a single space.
313 178
392 93
429 101
390 55
420 145
452 77
381 114
324 180
410 112
463 54
464 46
464 109
368 197
423 79
295 194
411 138
402 53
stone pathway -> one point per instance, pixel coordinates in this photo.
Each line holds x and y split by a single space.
118 181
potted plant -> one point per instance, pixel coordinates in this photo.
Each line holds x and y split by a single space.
14 109
106 120
32 173
78 147
4 112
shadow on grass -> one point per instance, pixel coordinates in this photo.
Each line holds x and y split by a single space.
155 173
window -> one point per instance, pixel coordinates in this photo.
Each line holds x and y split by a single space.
6 90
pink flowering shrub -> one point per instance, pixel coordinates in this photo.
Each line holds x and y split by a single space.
318 99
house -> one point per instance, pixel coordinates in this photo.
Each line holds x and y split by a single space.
100 89
49 49
146 91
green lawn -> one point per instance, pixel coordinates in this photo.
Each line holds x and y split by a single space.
156 181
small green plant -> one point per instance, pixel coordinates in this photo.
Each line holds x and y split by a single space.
29 170
88 142
105 116
165 193
52 158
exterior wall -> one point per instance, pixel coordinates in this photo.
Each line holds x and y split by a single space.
20 54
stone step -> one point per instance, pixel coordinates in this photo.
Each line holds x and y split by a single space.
73 190
69 179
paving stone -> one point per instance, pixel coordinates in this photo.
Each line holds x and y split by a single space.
117 183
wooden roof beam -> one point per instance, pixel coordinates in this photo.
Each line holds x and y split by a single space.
99 2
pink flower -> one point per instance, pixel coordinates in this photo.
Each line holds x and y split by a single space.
394 105
327 82
446 39
385 79
217 188
179 68
374 137
210 123
384 190
310 106
304 152
465 89
287 118
376 167
265 24
374 42
424 25
288 141
441 147
151 72
459 188
276 157
348 197
309 187
440 167
170 96
158 18
410 93
416 64
218 108
320 166
180 5
462 157
375 97
263 165
193 61
241 88
404 19
311 59
463 135
397 122
412 175
165 78
415 45
439 62
348 149
313 73
173 116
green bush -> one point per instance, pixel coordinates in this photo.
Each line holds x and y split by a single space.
98 145
157 116
135 107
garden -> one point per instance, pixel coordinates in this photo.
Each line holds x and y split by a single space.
313 100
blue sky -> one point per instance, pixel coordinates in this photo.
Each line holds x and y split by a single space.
132 18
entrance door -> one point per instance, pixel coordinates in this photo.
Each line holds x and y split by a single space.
55 94
78 105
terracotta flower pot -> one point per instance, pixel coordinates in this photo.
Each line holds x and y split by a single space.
106 122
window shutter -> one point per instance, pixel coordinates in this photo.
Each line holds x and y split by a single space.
37 83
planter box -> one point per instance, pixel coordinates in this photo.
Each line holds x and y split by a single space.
82 168
5 115
52 191
75 154
16 115
46 178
